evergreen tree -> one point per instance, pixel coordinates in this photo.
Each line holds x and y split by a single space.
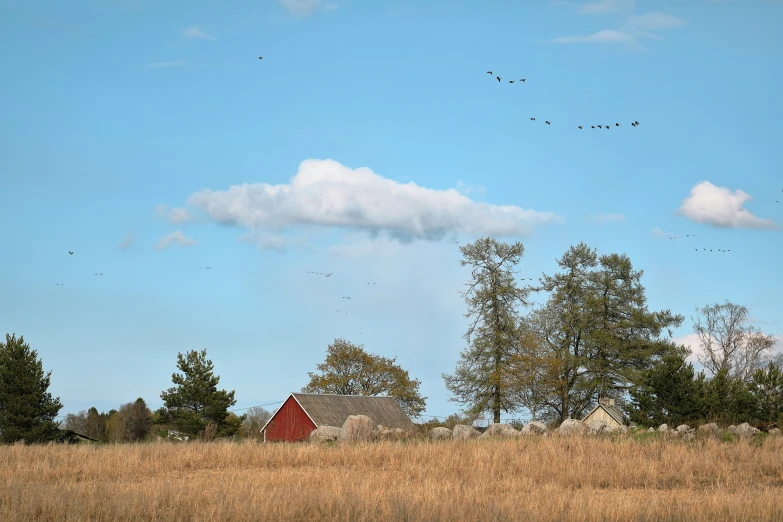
484 377
767 389
667 393
727 399
27 409
195 401
96 425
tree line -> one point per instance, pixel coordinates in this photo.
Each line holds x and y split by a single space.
592 336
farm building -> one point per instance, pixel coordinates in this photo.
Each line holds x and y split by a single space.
302 413
605 412
71 437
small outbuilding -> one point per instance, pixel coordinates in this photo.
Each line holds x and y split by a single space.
302 413
607 413
71 437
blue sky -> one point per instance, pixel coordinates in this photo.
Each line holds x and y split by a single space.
148 138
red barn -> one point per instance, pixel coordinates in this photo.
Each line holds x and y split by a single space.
302 413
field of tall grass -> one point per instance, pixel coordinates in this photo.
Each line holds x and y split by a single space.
532 479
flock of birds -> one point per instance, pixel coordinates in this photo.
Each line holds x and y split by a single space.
606 126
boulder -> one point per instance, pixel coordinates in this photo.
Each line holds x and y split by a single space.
709 430
571 427
325 434
597 427
356 428
663 428
534 428
500 430
650 430
689 436
774 432
440 433
461 431
682 429
744 430
384 433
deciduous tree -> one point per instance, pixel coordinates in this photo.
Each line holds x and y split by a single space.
727 342
350 370
483 379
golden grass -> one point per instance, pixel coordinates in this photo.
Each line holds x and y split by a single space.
535 479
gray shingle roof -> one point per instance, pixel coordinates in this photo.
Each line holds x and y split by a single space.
613 412
332 410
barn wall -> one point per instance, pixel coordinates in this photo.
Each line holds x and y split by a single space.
601 415
290 424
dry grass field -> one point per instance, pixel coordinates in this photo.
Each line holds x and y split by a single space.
532 479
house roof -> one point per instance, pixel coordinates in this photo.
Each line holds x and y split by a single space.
613 412
74 435
332 410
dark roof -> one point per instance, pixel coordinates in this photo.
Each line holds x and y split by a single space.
613 412
332 410
74 436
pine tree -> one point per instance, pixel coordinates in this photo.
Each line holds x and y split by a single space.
27 409
195 401
667 393
767 389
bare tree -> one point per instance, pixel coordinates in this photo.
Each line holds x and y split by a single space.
75 422
256 418
727 342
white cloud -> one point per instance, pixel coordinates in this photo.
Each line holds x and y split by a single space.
655 21
609 36
194 32
607 218
302 8
127 241
465 189
607 6
690 340
660 234
174 238
720 207
167 65
269 241
328 194
174 215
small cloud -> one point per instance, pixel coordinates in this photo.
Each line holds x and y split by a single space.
720 207
692 342
194 32
267 241
655 21
366 247
660 234
325 193
167 65
607 36
127 240
174 215
302 8
607 6
174 238
465 189
607 218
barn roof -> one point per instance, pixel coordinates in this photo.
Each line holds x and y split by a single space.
613 412
332 410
